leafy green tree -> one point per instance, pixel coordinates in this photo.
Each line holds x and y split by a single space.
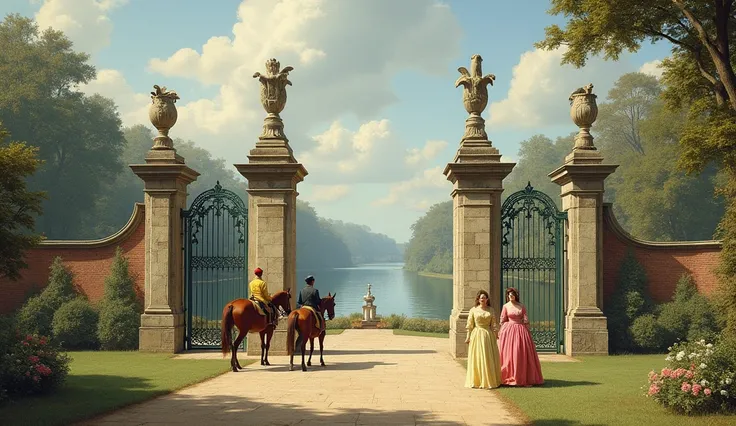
120 309
78 136
18 205
317 244
430 246
538 156
365 246
699 76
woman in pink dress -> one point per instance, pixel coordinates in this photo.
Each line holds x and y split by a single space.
519 360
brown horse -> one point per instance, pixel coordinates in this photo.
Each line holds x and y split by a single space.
243 314
303 321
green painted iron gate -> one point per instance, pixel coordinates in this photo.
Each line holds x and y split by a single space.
215 262
532 261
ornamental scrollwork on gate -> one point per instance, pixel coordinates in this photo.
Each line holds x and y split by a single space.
526 204
216 201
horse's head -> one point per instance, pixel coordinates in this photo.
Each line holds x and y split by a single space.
282 300
328 305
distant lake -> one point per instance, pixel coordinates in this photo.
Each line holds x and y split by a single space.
397 291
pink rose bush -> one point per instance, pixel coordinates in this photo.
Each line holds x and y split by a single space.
30 365
698 379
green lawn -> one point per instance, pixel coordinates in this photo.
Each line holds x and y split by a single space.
599 391
103 381
333 331
399 332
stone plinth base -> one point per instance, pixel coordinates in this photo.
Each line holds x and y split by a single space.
458 334
278 341
586 335
161 333
368 324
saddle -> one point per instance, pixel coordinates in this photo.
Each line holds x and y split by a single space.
261 308
319 320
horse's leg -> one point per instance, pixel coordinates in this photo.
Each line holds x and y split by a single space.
297 345
306 333
321 346
236 344
269 335
311 350
262 334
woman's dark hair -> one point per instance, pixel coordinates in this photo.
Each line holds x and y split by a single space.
512 290
477 297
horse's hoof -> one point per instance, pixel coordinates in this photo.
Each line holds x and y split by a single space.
309 363
235 369
304 368
268 363
322 364
291 368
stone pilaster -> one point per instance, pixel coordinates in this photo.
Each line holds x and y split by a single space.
581 179
272 174
165 177
477 175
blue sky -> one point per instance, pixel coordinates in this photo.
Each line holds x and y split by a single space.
373 113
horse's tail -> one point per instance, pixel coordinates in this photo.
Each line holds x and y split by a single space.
290 327
227 329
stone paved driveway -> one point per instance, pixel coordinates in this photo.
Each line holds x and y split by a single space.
372 377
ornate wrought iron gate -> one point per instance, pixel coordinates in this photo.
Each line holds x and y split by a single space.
532 261
215 262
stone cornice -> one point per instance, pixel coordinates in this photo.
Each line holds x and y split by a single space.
273 171
477 171
610 219
567 172
154 171
115 239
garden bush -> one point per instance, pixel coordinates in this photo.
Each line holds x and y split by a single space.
37 314
698 379
392 321
75 325
118 325
426 325
689 316
648 333
31 365
629 301
120 308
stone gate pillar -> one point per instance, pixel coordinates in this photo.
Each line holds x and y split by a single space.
581 179
477 175
272 173
165 177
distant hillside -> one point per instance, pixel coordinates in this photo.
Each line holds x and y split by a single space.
364 245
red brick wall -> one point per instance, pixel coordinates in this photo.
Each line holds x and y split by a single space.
89 261
664 262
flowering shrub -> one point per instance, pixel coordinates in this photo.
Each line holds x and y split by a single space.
32 365
699 378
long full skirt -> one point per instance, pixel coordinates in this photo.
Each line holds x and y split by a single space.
519 360
484 368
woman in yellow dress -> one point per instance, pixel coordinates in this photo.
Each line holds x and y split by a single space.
484 362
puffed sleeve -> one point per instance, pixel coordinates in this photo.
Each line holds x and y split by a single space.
504 315
471 321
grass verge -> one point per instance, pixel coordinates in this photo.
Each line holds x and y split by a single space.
333 331
100 382
605 391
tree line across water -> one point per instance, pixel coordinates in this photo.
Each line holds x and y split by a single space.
70 173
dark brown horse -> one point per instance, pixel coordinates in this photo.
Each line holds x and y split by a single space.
243 314
303 321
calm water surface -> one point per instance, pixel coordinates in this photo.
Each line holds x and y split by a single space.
397 291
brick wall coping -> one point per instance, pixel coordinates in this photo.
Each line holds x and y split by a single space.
610 218
135 219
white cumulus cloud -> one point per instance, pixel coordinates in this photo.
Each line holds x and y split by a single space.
653 68
540 87
427 153
85 22
419 192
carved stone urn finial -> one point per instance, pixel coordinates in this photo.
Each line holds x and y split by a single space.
273 98
475 97
583 111
163 115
